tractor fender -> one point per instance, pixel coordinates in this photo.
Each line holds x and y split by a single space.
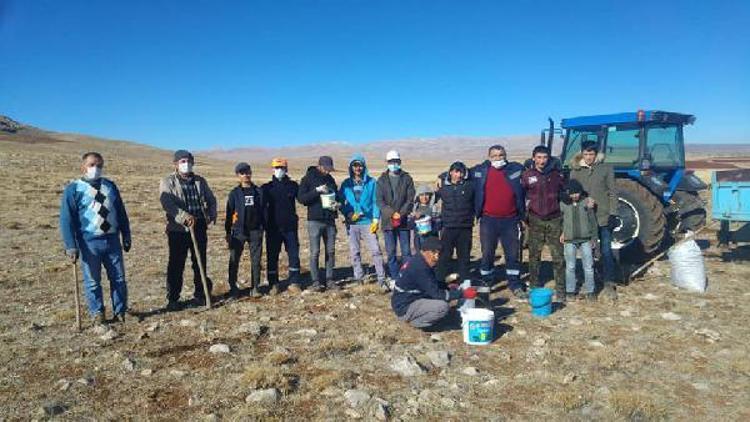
691 183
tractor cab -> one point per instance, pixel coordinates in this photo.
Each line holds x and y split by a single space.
647 150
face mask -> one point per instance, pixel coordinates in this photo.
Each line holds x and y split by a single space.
499 164
394 167
93 173
279 173
185 168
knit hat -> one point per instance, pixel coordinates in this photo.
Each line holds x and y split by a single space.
431 243
181 153
574 186
326 162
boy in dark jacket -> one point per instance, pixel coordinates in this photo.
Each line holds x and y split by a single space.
580 233
244 224
417 299
321 221
457 196
279 196
543 183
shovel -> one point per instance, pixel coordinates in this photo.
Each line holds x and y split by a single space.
78 296
203 270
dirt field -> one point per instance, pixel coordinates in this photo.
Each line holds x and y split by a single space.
658 353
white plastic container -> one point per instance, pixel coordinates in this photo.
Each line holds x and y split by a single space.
327 200
424 225
478 326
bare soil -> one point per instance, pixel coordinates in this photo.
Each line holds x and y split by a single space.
658 353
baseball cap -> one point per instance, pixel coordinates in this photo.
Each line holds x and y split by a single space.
392 155
326 162
279 162
242 167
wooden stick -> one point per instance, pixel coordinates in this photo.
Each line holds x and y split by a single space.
78 296
203 270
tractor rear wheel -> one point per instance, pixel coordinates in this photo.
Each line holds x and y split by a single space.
642 223
692 210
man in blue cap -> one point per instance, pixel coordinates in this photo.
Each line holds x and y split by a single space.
244 223
188 202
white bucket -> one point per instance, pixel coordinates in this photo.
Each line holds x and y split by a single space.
478 325
424 224
327 200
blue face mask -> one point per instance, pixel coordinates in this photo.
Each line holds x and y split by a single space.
394 167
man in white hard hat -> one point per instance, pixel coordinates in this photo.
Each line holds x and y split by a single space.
395 194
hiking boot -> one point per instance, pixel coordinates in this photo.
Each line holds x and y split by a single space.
199 301
120 318
274 290
255 293
318 286
561 297
99 319
609 291
570 297
590 297
234 292
294 289
520 293
173 306
331 285
384 287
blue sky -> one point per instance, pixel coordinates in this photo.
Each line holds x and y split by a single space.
203 74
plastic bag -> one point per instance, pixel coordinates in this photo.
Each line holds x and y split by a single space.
688 271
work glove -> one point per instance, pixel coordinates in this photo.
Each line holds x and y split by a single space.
72 254
127 244
454 294
613 222
322 189
374 227
469 293
354 217
450 278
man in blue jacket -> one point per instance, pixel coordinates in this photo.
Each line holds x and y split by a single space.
417 299
92 219
244 224
362 216
500 206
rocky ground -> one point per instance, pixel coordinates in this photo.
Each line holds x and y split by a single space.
658 353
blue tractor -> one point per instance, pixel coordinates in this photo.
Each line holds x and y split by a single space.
657 196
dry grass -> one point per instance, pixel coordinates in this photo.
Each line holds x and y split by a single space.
636 406
257 376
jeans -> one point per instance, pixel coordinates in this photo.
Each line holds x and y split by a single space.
505 230
359 232
460 240
546 232
327 231
105 250
392 239
274 239
608 258
587 258
179 245
236 246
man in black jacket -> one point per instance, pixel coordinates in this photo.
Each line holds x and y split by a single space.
244 223
395 198
457 196
281 225
321 221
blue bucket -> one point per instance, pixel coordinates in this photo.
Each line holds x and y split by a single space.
540 300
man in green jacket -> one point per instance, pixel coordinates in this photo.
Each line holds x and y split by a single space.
598 181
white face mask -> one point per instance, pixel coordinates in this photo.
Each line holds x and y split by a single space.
93 173
498 164
185 168
394 167
279 173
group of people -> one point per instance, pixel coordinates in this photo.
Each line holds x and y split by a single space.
506 198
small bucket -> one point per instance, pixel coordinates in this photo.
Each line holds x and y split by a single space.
424 225
540 300
478 325
327 200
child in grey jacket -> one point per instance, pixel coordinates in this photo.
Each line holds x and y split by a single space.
580 233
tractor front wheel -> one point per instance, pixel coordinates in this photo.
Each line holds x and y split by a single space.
642 223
